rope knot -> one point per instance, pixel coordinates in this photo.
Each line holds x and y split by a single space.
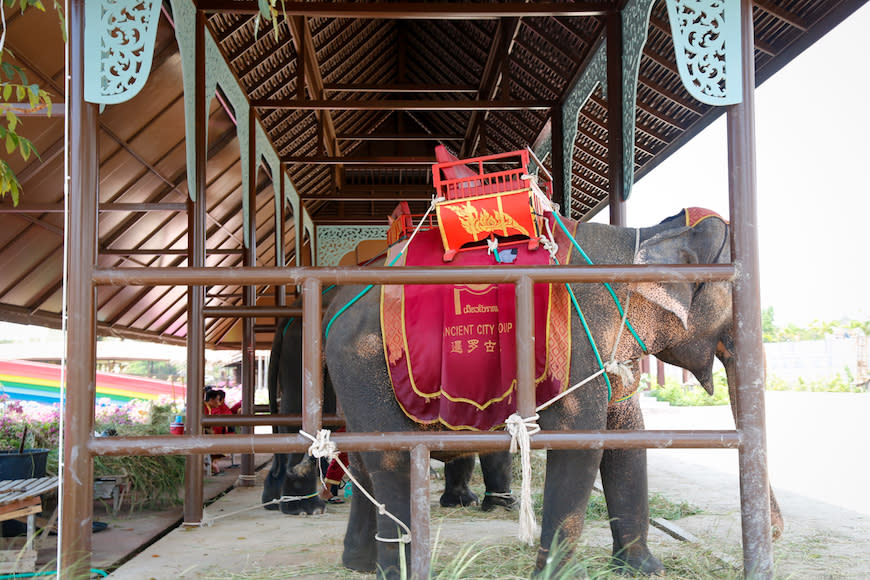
551 246
620 369
321 445
520 430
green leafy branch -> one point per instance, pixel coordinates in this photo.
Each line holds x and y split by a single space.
269 12
26 94
18 95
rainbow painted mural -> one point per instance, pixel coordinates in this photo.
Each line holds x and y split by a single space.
40 382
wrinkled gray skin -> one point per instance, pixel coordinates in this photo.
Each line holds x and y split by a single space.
682 323
296 474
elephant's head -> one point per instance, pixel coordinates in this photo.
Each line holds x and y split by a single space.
702 309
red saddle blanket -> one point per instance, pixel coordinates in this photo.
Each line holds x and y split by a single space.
451 350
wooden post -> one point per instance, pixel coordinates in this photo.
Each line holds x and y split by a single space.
754 488
615 157
77 483
193 467
249 345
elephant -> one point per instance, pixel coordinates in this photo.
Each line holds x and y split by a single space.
685 324
296 475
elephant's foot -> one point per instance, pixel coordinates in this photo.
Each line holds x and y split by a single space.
494 500
301 507
462 498
360 562
636 560
777 523
271 491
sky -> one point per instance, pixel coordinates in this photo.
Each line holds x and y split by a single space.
812 131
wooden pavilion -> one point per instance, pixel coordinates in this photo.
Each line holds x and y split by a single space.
201 159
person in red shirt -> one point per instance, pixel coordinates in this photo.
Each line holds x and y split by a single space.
215 404
332 481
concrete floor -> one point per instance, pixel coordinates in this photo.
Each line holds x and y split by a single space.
127 534
814 441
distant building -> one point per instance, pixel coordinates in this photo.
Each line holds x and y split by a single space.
820 359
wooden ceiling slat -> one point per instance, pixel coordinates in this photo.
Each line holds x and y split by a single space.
416 11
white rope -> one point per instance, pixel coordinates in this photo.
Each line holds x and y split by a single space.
614 367
569 390
435 201
521 430
549 242
323 447
209 520
546 203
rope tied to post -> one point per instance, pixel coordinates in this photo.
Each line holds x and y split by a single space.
521 430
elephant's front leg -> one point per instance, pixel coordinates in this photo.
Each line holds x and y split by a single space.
624 478
457 473
360 551
391 483
497 477
300 484
570 476
274 482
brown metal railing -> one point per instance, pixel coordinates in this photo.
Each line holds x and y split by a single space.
80 446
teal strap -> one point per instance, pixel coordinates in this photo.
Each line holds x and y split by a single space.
591 340
97 571
345 307
355 299
627 397
292 318
606 284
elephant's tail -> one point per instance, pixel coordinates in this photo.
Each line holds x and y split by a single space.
274 361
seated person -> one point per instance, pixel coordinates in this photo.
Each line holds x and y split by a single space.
215 405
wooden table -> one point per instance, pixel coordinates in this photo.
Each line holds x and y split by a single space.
20 498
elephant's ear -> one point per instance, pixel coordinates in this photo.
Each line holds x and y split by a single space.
670 247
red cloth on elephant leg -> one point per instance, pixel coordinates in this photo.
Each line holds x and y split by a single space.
451 350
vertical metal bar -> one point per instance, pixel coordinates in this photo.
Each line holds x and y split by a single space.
754 490
525 336
250 299
557 156
193 466
312 373
78 469
615 157
660 373
420 516
280 243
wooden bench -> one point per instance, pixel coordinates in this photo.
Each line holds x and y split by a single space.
21 498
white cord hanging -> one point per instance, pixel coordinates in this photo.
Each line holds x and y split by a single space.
521 430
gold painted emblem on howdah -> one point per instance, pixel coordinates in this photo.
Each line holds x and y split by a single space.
476 221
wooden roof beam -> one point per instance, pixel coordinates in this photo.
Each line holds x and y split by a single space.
309 73
419 10
402 105
502 43
782 14
397 137
398 88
